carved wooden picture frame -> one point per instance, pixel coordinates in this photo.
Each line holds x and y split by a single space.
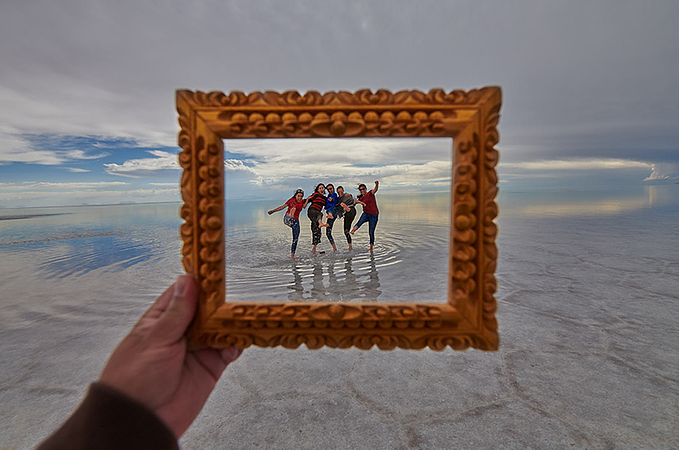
466 319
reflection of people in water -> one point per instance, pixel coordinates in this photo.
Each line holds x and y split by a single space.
351 287
296 289
372 286
370 211
331 207
317 287
295 204
316 202
335 288
346 208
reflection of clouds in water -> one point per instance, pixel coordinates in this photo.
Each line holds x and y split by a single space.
587 208
341 284
661 195
410 261
433 208
652 196
77 240
80 256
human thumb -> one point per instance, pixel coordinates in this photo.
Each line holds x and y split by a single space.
175 319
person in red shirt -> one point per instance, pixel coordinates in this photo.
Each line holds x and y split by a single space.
295 205
370 211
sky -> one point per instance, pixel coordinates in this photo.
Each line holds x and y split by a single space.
87 116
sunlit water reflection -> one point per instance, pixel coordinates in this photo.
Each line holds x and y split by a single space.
409 262
72 241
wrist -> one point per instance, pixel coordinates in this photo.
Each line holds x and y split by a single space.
108 418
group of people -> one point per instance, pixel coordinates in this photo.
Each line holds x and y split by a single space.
337 204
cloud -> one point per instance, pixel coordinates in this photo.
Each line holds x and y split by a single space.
145 192
76 170
80 154
61 194
663 172
578 164
109 69
117 69
136 168
15 148
332 151
49 150
282 163
234 165
38 198
61 186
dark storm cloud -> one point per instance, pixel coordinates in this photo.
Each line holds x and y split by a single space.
580 78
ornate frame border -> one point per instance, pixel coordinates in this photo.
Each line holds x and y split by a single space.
470 118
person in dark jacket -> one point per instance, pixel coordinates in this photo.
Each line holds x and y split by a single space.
316 203
152 388
347 209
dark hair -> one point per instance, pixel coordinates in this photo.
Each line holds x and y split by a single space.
329 184
298 191
340 187
317 186
362 186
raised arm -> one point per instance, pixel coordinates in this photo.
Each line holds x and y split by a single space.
277 209
377 185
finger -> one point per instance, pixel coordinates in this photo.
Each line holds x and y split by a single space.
230 354
174 320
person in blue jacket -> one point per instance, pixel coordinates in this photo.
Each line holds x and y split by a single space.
331 207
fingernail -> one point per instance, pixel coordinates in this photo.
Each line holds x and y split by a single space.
180 286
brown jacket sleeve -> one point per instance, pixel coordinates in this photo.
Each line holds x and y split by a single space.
108 419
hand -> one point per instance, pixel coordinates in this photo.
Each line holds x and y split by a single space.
270 212
152 366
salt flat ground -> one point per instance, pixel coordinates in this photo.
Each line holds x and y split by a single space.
588 309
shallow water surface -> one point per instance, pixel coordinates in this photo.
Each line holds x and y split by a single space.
409 262
71 241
